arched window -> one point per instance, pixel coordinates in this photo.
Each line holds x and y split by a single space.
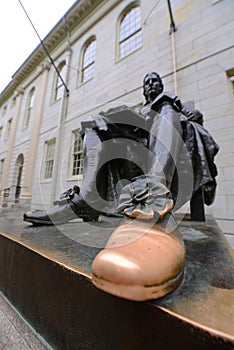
88 60
59 84
29 107
129 31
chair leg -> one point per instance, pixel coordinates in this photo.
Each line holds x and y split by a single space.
197 206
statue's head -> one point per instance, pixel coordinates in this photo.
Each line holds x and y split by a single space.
152 86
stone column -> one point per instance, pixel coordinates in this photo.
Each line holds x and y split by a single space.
11 139
37 118
60 133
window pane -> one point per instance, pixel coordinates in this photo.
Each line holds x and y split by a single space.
88 61
77 165
59 92
59 84
49 162
89 54
29 107
130 32
88 73
49 169
31 98
131 44
130 23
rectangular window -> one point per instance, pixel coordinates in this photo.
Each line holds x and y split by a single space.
49 159
77 154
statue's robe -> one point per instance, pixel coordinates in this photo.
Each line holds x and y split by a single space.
127 134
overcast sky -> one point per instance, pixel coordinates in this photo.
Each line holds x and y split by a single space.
18 38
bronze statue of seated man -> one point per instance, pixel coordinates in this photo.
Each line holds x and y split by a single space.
144 164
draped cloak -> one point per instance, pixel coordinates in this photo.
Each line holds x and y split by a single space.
124 123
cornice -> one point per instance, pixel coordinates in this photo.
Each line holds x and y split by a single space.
73 17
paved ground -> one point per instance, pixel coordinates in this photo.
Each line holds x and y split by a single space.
15 333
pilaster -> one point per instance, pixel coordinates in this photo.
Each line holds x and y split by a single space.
37 118
11 140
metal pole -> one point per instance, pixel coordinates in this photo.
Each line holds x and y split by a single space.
45 49
172 25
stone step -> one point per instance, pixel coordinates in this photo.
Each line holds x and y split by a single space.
46 274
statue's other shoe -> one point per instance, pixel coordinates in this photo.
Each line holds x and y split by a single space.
140 262
64 211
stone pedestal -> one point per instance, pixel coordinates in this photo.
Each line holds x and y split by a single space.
46 273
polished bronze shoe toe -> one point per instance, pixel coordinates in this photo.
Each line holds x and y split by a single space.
140 262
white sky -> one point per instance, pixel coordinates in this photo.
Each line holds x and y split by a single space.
18 38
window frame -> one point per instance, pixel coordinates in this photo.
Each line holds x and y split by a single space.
29 106
131 34
76 136
58 84
91 64
48 158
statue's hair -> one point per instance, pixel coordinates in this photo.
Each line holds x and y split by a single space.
159 80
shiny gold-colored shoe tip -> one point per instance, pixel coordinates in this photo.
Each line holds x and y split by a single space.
140 262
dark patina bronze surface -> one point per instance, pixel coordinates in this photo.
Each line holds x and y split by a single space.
46 273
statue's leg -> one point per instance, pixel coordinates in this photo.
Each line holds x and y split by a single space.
145 256
165 140
150 196
95 174
170 162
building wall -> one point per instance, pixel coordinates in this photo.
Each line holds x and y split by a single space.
201 51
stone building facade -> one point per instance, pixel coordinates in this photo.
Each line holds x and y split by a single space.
102 50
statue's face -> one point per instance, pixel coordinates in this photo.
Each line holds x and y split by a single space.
152 86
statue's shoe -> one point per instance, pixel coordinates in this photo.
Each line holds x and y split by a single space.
64 211
140 262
